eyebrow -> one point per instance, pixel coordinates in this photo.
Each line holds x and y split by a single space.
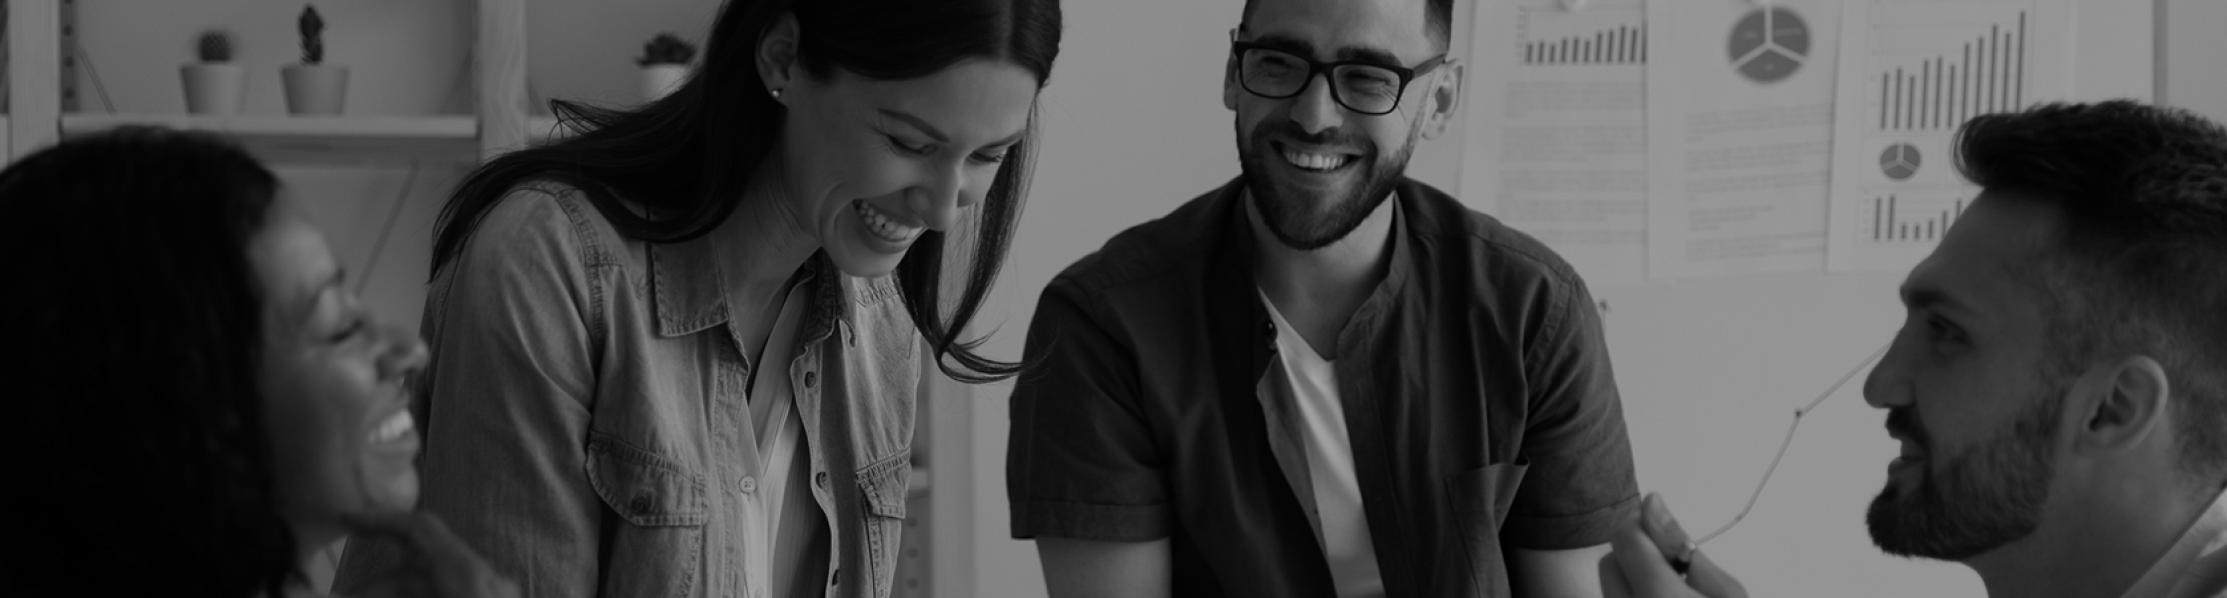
1933 299
1367 54
937 134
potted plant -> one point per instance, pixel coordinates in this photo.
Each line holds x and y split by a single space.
314 87
664 64
213 85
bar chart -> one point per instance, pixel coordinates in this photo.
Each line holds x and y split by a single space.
1622 45
1614 34
1892 222
1986 73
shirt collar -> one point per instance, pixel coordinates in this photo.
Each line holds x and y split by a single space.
2196 566
1243 337
688 283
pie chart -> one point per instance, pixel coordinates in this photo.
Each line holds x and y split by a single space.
1769 44
1900 161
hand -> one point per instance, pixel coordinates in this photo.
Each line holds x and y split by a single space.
1637 568
435 562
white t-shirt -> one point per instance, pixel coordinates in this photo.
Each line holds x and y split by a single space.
1311 387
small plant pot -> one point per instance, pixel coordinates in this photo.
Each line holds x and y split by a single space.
213 87
661 79
315 88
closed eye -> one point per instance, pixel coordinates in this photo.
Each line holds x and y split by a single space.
907 148
354 328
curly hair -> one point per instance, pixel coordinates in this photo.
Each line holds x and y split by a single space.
136 310
2139 266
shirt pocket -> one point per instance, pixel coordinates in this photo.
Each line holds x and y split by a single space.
652 535
885 484
1480 499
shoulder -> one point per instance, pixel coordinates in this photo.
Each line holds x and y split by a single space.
543 220
1499 257
1166 251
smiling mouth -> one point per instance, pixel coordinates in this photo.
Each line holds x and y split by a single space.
394 428
1313 161
884 226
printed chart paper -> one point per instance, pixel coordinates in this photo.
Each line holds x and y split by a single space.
1913 71
1557 136
1740 110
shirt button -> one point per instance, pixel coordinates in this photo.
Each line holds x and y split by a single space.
811 378
749 484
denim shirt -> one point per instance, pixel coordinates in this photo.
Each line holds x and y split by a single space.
583 411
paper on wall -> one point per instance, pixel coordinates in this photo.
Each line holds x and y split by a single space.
1557 136
1913 71
1740 124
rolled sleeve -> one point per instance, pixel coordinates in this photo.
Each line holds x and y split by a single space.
1082 462
506 404
1580 485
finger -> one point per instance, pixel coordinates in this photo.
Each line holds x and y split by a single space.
1643 566
1613 584
1670 537
1712 580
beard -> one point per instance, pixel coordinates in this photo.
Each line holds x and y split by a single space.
1972 503
1305 218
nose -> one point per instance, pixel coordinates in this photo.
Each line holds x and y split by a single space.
941 199
1888 385
405 353
1315 109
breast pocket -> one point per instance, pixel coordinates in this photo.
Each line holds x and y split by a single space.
1480 499
652 536
885 484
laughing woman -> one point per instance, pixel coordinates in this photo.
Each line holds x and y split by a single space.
202 403
677 354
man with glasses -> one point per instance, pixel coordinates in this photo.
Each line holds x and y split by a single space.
1322 379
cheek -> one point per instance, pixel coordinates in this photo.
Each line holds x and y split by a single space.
315 432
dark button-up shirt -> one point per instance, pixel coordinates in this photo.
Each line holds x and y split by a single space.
1475 383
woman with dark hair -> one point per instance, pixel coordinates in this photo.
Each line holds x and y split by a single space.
202 404
669 354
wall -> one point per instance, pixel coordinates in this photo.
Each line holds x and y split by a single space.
1711 370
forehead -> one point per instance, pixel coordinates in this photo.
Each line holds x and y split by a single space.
290 259
1329 25
973 101
1986 259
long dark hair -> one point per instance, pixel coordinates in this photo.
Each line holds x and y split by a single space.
139 319
687 156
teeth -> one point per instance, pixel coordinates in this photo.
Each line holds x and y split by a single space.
1315 161
394 427
882 226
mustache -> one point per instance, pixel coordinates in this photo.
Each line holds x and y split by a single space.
1903 422
1338 136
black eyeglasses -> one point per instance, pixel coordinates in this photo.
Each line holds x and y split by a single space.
1365 87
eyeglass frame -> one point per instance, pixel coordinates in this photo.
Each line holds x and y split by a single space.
1406 74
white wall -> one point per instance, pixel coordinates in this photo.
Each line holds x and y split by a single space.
1711 370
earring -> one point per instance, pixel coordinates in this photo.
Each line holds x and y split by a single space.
775 92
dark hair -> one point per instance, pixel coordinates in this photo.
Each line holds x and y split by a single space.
2140 262
140 320
1438 20
689 153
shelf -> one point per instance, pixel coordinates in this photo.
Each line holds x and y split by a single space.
317 139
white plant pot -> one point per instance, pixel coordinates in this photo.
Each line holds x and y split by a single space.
315 88
661 79
213 87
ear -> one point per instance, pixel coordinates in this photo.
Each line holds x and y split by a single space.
777 51
1230 88
1445 95
2119 405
